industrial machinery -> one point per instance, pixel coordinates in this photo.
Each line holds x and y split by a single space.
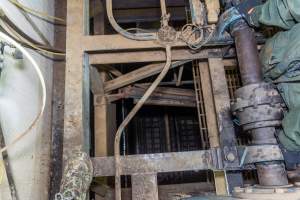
161 145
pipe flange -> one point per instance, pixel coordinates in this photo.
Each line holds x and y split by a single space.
262 116
258 105
290 192
255 95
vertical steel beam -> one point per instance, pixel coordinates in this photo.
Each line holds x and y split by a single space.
212 126
74 105
222 106
144 187
58 96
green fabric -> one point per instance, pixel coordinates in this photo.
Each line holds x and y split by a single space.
281 13
281 61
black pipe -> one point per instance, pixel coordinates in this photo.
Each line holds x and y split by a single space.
247 53
269 173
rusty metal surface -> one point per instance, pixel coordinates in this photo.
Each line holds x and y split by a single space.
183 161
144 187
274 174
58 95
154 163
258 105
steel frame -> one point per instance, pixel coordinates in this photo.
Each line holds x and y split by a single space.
84 50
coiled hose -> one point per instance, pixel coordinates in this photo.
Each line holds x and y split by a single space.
8 39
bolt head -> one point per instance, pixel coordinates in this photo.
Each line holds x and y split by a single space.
230 157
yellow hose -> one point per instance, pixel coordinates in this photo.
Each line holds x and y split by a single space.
129 117
21 39
40 14
6 38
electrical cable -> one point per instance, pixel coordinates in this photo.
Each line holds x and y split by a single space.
129 117
26 42
116 26
9 24
191 31
43 85
40 14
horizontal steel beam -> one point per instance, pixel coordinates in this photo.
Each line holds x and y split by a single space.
158 55
104 43
184 161
154 163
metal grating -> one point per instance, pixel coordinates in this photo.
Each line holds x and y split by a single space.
150 134
200 106
185 131
159 129
233 80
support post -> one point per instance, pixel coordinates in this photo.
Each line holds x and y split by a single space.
222 106
144 187
212 126
213 10
73 124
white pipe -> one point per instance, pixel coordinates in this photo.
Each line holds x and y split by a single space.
8 39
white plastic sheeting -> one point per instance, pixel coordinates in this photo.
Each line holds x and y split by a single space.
20 99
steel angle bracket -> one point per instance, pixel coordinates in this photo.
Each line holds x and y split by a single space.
247 156
259 153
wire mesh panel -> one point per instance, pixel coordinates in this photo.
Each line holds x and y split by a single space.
150 133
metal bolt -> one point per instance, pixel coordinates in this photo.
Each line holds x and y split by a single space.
230 157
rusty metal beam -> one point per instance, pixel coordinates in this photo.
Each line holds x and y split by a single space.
222 106
144 186
137 75
182 161
58 96
154 163
151 56
162 96
117 42
75 90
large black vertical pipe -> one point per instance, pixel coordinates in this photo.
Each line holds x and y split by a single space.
270 173
247 53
